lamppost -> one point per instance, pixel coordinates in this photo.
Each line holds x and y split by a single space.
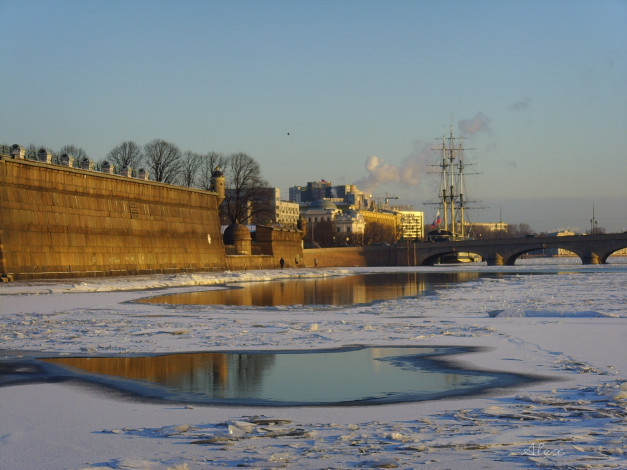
593 223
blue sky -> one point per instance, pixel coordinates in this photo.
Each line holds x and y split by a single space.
537 88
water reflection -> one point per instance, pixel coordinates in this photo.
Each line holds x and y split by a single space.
345 290
361 375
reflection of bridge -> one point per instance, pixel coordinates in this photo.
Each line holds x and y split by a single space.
592 249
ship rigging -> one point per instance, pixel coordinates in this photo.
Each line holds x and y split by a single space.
452 198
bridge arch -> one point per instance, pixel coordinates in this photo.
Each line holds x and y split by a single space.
607 255
446 256
591 249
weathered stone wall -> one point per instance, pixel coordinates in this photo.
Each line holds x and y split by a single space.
351 256
57 222
247 262
281 243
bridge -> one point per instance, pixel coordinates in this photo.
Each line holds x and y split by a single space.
592 249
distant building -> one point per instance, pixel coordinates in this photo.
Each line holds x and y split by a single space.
317 190
330 226
349 222
388 220
492 227
275 211
485 230
283 213
410 224
321 210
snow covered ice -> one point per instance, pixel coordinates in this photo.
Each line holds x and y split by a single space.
565 321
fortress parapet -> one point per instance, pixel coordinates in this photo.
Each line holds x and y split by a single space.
67 160
126 171
44 156
87 164
17 151
107 167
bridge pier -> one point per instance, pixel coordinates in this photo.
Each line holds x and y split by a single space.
494 260
590 258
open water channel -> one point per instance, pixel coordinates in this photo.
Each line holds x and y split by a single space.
359 375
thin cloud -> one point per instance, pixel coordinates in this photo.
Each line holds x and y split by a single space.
522 104
479 123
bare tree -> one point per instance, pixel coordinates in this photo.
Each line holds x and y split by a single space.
77 152
31 151
320 234
190 163
209 163
376 233
245 190
520 230
163 160
127 153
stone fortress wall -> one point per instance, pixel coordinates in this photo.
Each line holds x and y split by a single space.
58 221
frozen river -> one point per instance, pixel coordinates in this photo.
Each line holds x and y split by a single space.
555 318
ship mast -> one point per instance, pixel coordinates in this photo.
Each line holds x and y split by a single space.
452 192
460 187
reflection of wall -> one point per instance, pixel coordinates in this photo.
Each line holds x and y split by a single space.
343 290
219 374
160 369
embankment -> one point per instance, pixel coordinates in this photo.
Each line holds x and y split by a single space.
356 256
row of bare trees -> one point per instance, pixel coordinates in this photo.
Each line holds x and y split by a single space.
166 163
244 197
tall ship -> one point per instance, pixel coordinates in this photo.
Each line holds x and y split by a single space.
450 222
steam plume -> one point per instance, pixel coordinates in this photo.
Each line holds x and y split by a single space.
408 173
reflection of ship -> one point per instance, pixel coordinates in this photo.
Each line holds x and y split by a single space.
449 223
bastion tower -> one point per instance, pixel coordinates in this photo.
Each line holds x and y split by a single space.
217 184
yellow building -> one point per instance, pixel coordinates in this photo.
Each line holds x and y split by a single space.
410 224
